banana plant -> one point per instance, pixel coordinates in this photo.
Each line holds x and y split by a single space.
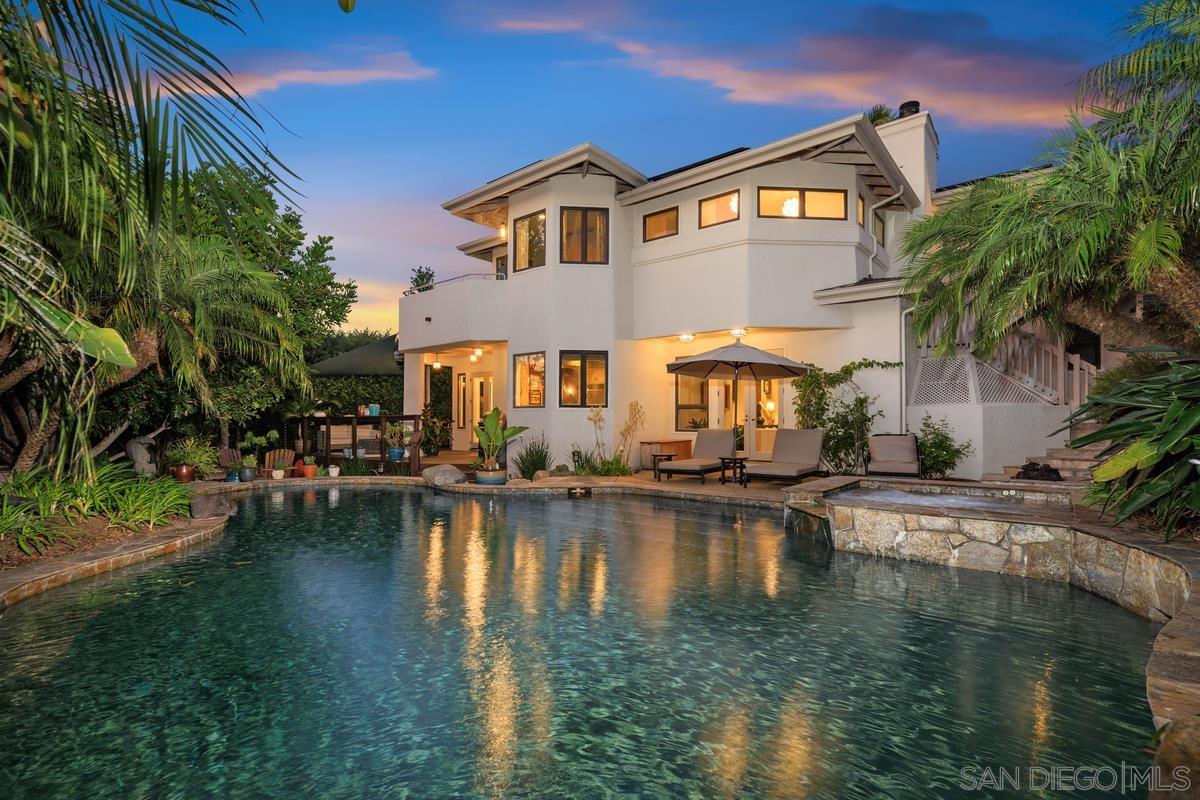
493 435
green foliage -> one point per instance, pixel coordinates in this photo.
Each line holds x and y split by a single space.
310 460
422 279
193 451
813 396
357 467
29 529
493 436
880 113
593 462
250 461
136 502
397 434
336 342
1152 426
342 394
282 463
258 444
847 434
1135 367
435 431
940 452
535 455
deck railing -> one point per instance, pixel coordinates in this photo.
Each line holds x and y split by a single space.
470 276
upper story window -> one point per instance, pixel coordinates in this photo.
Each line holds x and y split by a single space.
584 236
583 378
880 228
720 209
660 224
529 380
784 203
862 211
529 241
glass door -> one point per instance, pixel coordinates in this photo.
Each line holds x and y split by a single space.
481 400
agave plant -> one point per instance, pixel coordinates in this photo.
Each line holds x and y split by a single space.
1152 426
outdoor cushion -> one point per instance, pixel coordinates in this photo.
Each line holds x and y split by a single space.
779 469
801 446
894 467
894 447
695 465
713 444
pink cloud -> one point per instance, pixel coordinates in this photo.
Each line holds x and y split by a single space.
300 69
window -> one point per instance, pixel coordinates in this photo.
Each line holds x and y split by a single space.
460 418
862 211
691 403
502 267
660 224
584 236
880 228
720 209
582 378
529 241
783 203
529 380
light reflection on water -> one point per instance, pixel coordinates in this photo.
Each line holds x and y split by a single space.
448 646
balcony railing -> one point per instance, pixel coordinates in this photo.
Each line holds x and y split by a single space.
470 276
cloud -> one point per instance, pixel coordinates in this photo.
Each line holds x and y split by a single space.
291 69
540 25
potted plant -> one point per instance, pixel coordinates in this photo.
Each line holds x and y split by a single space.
493 435
279 469
249 468
334 470
396 436
309 469
191 457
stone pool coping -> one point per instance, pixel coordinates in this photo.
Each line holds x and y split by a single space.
21 583
1172 674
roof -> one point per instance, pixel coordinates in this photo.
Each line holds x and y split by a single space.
861 290
850 141
699 163
488 204
482 247
376 358
1012 173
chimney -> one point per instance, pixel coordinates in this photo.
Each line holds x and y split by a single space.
908 108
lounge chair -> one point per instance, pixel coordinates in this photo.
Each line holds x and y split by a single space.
894 454
229 457
282 454
797 453
711 446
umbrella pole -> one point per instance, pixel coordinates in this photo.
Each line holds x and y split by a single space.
735 411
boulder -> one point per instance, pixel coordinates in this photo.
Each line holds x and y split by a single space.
443 475
209 506
541 475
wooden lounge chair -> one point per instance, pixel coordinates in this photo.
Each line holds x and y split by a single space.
711 446
797 453
894 454
229 457
282 454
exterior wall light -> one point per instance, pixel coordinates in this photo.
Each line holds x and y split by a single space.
437 362
737 332
478 352
473 358
686 337
503 231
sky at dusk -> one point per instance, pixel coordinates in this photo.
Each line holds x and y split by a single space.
387 112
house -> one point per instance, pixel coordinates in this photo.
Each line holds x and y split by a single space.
594 276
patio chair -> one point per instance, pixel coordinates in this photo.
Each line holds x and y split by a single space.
282 454
229 457
711 446
796 454
894 454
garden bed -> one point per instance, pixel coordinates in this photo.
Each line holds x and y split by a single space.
73 540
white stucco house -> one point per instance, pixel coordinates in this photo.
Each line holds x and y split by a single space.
593 276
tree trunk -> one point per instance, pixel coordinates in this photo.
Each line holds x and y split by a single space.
27 368
1115 330
7 342
224 433
1180 292
107 441
31 451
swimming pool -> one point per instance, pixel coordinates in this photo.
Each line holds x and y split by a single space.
383 643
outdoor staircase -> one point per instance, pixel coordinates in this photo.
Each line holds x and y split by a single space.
1074 463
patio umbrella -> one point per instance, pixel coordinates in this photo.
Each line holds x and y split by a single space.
735 360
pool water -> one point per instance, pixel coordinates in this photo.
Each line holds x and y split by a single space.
363 643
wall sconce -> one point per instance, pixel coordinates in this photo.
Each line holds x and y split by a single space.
686 337
437 362
737 332
479 352
503 231
472 358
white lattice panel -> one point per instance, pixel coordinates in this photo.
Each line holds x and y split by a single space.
942 380
997 388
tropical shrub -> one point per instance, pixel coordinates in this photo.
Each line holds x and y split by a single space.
594 462
193 451
27 528
357 467
435 430
940 451
1134 367
847 427
814 394
1152 426
133 502
534 457
493 435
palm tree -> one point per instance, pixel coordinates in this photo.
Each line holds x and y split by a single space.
1117 214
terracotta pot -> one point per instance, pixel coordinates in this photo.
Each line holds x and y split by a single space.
184 473
308 470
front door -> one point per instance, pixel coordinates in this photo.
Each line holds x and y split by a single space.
481 400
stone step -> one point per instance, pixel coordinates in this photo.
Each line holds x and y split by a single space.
1084 428
1067 472
1004 477
1067 462
1089 452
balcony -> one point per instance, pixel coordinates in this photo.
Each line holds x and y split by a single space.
467 309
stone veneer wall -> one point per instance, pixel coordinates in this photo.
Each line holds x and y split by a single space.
1139 581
